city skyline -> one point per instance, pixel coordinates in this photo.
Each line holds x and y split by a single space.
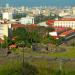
32 3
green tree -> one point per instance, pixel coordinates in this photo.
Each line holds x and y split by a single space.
29 37
52 40
21 34
35 37
60 40
7 42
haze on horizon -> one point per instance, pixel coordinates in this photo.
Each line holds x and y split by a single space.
31 3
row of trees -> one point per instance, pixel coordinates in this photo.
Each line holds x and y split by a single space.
37 35
29 36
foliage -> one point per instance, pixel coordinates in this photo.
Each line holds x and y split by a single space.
7 42
11 69
52 40
21 34
19 15
60 40
49 29
0 16
27 37
41 18
38 35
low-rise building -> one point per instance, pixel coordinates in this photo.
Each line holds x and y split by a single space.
7 15
27 20
65 23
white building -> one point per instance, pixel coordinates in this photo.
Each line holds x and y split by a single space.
27 20
42 24
36 11
63 13
7 15
53 33
3 30
65 23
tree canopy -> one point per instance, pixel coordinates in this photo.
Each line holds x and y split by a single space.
38 35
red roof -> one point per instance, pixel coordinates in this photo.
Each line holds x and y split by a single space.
59 29
13 38
67 19
55 37
13 46
67 32
17 25
31 25
1 41
22 25
50 22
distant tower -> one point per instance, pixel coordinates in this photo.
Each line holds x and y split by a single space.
22 8
7 5
73 10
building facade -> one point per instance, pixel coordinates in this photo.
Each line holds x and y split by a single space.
7 15
3 30
27 20
61 23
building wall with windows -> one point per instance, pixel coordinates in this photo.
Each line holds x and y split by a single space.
3 30
64 23
7 15
27 20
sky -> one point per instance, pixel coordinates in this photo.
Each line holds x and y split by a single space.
31 3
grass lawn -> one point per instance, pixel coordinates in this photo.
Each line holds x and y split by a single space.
44 67
69 53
